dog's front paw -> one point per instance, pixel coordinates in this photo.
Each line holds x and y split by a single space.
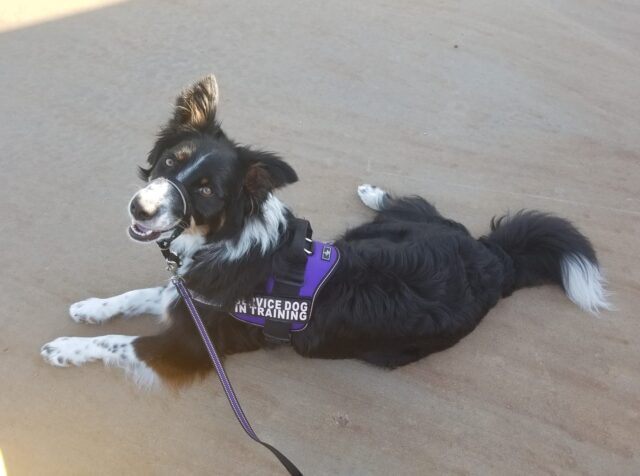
65 351
92 311
372 196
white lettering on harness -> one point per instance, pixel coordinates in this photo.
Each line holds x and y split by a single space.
274 308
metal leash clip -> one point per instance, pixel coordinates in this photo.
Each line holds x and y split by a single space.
172 267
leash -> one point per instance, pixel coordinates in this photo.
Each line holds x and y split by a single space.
178 282
173 263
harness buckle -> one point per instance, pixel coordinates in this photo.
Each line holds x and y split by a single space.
173 260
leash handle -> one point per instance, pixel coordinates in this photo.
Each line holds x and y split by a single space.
178 282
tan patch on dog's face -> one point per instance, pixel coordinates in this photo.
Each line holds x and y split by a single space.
206 228
194 229
184 152
183 156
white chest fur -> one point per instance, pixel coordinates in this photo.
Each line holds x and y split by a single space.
185 246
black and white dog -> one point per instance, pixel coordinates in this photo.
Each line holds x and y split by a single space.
409 283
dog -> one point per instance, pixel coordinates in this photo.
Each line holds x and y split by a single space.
409 283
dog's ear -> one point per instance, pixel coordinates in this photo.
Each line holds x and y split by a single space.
264 172
196 106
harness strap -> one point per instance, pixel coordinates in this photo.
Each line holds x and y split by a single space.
173 260
178 282
288 274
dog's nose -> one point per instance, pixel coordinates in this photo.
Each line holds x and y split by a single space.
138 212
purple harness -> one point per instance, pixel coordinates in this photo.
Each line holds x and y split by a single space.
296 311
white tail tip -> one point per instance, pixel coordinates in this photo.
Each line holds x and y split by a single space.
584 283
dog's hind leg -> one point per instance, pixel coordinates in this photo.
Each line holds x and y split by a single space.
133 303
374 197
413 209
396 209
113 350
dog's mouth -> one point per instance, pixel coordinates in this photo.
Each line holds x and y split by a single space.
139 232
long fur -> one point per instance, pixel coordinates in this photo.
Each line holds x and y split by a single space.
549 250
410 282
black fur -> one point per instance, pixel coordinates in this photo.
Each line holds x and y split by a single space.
410 282
536 242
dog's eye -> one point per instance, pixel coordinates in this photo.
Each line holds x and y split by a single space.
170 162
205 191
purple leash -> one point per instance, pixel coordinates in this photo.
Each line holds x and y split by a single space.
178 282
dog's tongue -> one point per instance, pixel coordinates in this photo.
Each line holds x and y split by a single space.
140 233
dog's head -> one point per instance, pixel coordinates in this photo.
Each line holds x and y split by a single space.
194 162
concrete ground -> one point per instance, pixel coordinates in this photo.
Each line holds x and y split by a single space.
481 106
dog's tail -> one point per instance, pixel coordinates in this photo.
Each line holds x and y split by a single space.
548 249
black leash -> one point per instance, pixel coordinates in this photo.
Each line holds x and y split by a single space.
178 282
173 263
